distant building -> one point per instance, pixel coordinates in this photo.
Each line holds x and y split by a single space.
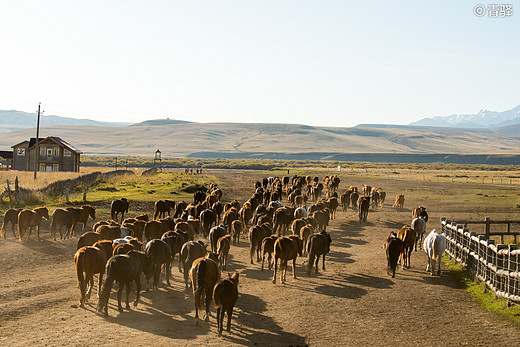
55 155
6 160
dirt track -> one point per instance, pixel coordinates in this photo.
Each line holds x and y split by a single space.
352 302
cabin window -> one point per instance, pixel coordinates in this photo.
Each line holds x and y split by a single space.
66 153
42 167
20 152
42 151
55 168
56 151
49 152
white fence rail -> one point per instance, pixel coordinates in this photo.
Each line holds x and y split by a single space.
497 266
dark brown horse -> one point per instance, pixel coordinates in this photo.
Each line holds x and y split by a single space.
160 253
161 207
30 219
285 249
190 251
225 295
90 260
363 205
118 206
81 214
268 247
62 218
319 245
393 247
256 234
11 216
124 268
204 273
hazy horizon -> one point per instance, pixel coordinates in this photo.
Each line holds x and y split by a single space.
332 63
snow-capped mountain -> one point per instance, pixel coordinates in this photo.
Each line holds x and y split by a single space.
483 119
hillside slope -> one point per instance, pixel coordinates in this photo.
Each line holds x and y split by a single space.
183 139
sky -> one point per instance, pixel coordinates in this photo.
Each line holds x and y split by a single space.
325 63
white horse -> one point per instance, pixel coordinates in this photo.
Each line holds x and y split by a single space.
434 245
419 226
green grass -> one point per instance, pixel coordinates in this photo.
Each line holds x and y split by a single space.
486 299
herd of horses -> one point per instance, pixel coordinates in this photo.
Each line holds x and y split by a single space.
126 248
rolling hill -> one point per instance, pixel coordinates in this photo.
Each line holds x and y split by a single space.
231 140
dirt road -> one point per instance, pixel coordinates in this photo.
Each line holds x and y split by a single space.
353 302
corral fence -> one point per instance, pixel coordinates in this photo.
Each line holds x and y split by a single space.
496 265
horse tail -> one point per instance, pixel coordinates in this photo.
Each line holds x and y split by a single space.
155 213
112 211
217 294
435 249
2 231
80 260
199 277
105 293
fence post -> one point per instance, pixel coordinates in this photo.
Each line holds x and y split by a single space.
85 194
67 194
488 225
511 267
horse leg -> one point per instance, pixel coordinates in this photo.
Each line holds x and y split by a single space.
89 284
127 285
156 274
168 271
263 258
323 262
219 332
317 263
229 314
428 264
275 268
294 267
208 303
100 282
119 293
196 299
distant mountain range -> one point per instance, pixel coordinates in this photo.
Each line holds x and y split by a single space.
483 119
369 142
16 120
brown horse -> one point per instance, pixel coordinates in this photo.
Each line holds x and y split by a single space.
204 273
399 202
285 249
268 247
11 216
236 229
62 218
407 235
190 251
81 215
393 247
363 205
223 245
256 235
123 248
118 206
109 232
90 260
124 268
161 207
319 244
88 239
160 253
30 219
225 295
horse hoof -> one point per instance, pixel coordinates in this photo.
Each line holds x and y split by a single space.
135 304
196 321
206 318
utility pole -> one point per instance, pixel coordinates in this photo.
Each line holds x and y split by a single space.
37 156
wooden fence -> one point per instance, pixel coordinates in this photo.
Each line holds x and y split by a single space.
496 265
